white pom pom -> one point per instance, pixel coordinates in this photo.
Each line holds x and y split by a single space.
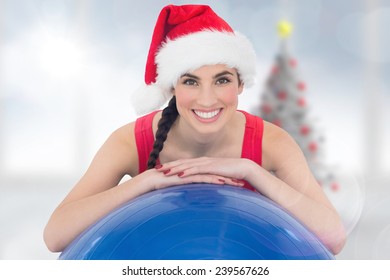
148 98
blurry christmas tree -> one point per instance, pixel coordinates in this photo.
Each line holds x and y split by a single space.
284 103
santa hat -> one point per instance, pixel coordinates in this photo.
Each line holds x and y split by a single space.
184 39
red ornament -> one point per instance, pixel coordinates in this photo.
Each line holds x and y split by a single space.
282 95
301 86
266 109
293 62
313 147
275 70
335 187
277 122
305 130
301 102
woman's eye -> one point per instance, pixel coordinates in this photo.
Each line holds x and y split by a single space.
222 81
190 82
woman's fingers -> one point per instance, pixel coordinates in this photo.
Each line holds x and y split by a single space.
213 179
167 181
228 168
177 166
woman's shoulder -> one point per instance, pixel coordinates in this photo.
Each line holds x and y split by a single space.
149 116
147 121
276 137
273 132
122 142
277 144
249 116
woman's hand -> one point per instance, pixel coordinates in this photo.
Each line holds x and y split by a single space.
207 170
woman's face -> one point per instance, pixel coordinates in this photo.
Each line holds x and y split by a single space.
207 98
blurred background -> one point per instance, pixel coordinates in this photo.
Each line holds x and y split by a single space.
68 67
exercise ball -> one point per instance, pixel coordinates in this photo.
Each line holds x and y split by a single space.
197 222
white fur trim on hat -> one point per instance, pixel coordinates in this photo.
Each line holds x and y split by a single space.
208 47
149 97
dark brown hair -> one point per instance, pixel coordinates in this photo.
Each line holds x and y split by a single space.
168 117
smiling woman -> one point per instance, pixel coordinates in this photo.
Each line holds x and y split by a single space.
200 65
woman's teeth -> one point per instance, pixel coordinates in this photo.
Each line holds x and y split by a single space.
206 115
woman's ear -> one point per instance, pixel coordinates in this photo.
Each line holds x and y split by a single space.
240 83
240 88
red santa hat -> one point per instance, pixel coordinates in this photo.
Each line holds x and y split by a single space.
184 39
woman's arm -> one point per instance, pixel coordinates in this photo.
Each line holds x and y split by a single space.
94 196
98 193
295 188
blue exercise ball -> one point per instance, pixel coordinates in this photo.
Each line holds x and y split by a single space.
194 222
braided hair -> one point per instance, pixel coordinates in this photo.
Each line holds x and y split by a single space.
168 117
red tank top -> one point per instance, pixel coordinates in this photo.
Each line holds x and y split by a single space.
251 146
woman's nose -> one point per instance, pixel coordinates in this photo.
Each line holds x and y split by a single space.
207 97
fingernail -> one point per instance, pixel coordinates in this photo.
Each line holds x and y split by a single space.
167 171
158 166
222 181
180 174
238 181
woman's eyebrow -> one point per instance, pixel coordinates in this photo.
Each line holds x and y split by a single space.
223 74
188 75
